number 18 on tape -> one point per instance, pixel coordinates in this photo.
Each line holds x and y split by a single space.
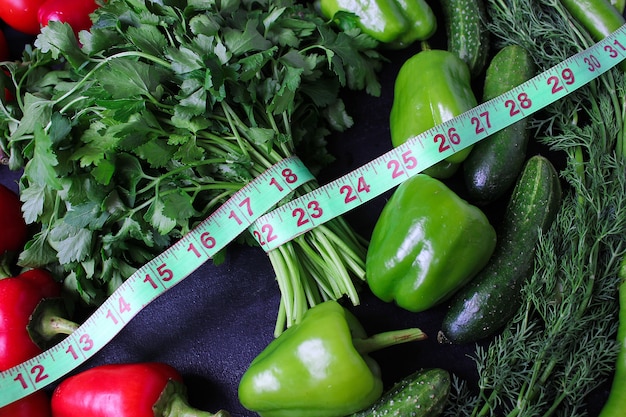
424 150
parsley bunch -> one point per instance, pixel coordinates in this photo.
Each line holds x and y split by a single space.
138 130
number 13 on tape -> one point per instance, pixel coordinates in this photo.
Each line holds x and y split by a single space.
426 149
154 278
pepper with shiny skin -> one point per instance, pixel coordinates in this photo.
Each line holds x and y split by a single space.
426 244
19 297
432 86
394 23
145 389
319 367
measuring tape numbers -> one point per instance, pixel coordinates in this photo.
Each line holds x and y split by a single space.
434 145
154 278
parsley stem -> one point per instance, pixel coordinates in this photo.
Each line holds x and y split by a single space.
228 112
173 172
100 63
277 259
217 200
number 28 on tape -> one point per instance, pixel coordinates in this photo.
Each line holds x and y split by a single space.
436 144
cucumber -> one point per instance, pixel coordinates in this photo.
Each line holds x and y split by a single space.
492 297
466 31
422 394
494 163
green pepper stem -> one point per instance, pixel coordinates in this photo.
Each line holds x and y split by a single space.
173 403
386 339
48 321
180 408
4 267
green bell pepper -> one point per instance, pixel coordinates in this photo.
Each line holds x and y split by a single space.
318 367
431 87
395 23
427 243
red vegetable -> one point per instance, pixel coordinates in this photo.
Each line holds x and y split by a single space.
19 298
35 405
4 47
21 15
13 231
74 12
125 390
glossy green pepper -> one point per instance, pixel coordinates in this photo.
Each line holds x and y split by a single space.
432 86
318 367
395 23
427 243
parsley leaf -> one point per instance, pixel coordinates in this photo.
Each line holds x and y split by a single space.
145 124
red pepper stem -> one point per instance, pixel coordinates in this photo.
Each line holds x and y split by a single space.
173 403
386 339
4 158
5 269
48 321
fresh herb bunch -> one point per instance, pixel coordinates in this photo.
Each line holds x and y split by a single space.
136 131
560 345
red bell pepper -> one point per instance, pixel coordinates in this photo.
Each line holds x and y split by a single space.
147 389
13 232
36 404
19 298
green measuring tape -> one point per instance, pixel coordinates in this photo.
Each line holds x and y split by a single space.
389 170
154 278
248 209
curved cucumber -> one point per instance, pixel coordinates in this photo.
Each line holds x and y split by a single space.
494 163
421 394
491 299
466 32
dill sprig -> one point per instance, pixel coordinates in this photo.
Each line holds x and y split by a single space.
560 345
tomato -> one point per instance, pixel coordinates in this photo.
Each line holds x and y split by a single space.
74 12
21 15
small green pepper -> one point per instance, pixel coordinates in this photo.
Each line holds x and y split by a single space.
318 367
431 87
427 243
396 23
599 17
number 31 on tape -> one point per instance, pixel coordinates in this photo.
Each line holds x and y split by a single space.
430 147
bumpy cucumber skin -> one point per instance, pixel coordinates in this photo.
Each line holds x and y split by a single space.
490 300
494 163
421 394
466 31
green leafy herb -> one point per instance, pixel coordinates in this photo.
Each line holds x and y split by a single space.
560 346
134 133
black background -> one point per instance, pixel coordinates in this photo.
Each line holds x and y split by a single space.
213 324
